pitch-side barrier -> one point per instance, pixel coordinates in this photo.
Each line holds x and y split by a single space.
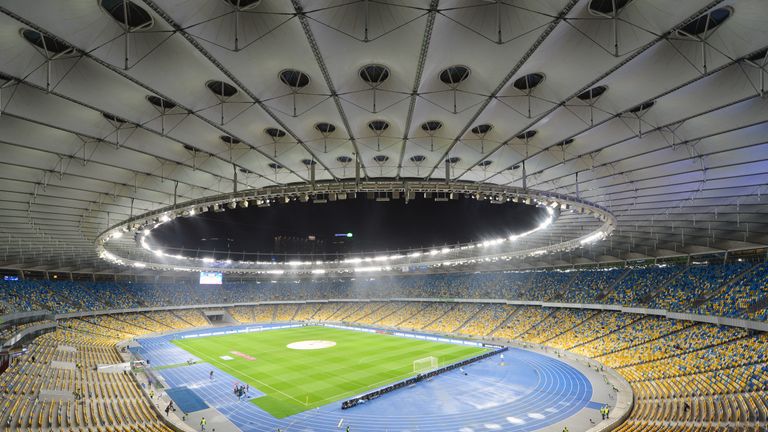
349 403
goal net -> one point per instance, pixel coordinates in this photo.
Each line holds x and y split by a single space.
425 364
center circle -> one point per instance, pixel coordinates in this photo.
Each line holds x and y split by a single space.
311 344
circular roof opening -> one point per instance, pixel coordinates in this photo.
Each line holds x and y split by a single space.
114 119
642 107
49 44
418 158
128 14
274 132
161 103
307 230
527 134
325 128
484 164
593 93
190 148
374 74
274 165
378 125
245 171
607 7
707 22
453 75
344 159
243 4
380 158
516 166
482 129
309 162
221 89
294 79
528 82
431 126
230 139
565 142
453 160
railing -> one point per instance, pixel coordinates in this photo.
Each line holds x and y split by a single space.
349 403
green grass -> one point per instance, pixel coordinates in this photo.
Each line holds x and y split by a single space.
297 380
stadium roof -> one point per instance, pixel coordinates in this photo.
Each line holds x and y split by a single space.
654 109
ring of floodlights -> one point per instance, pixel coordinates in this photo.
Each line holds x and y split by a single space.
124 243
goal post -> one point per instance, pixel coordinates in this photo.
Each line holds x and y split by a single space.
425 364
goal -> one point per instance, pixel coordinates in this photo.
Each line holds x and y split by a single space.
425 364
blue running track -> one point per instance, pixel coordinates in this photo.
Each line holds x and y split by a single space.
529 392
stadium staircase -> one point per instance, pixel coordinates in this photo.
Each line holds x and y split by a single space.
386 315
566 287
441 315
315 312
759 305
505 321
568 329
182 319
108 327
421 309
166 326
296 312
716 290
536 323
663 286
645 341
334 311
342 314
613 285
468 320
142 327
600 336
685 351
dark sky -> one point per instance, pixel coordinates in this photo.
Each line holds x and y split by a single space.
376 226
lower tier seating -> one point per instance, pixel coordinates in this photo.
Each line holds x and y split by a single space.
686 376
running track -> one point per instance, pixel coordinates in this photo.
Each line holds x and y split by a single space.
531 391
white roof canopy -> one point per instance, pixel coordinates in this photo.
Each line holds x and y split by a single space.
655 111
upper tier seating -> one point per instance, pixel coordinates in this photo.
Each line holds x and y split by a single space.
738 290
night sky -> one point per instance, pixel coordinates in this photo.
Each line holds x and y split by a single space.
376 226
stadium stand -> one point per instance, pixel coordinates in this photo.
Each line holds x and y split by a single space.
686 375
558 322
454 318
402 313
39 396
592 285
521 321
487 320
427 316
741 298
639 284
692 286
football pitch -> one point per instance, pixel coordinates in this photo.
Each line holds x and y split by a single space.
296 380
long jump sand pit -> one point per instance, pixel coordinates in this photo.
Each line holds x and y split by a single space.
311 344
